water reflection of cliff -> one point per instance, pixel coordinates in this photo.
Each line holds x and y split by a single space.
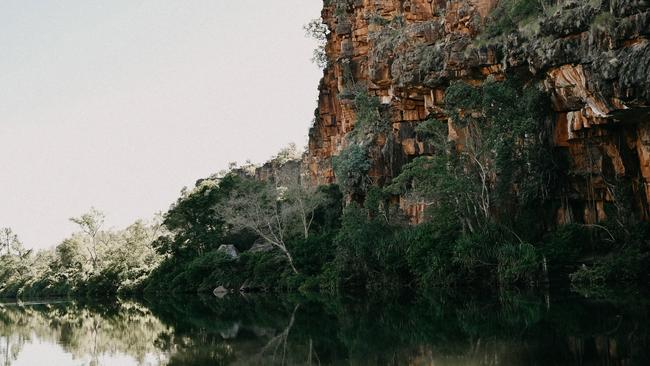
513 330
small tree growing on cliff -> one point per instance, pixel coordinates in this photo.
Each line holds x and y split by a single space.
351 167
317 30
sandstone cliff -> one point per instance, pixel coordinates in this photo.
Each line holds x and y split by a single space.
592 57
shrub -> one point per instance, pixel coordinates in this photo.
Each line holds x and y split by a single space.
351 167
460 99
366 258
429 252
517 263
565 245
625 266
313 253
369 121
604 21
509 14
327 217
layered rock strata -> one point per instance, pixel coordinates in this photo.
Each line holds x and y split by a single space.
593 58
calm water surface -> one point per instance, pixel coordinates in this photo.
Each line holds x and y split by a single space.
285 330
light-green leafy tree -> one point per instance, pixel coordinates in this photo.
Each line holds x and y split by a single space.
90 224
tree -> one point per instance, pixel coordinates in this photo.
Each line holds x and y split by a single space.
90 224
69 253
134 250
10 243
299 201
194 224
499 169
317 30
303 202
14 263
288 153
261 208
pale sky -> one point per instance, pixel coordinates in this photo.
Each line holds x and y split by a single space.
119 104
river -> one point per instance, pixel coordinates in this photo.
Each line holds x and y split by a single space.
511 329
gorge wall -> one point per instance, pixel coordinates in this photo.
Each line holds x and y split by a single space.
592 57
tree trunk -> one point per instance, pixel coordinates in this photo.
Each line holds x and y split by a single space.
293 267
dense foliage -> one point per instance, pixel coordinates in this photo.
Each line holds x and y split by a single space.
503 168
486 197
92 262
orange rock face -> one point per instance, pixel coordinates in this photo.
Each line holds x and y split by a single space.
407 52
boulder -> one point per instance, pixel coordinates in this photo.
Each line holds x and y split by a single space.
220 292
229 250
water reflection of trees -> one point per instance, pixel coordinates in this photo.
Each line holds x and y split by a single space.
436 330
266 330
84 330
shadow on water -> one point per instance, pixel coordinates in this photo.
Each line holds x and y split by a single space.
514 329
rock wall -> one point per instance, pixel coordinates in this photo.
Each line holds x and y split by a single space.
281 172
593 57
284 173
